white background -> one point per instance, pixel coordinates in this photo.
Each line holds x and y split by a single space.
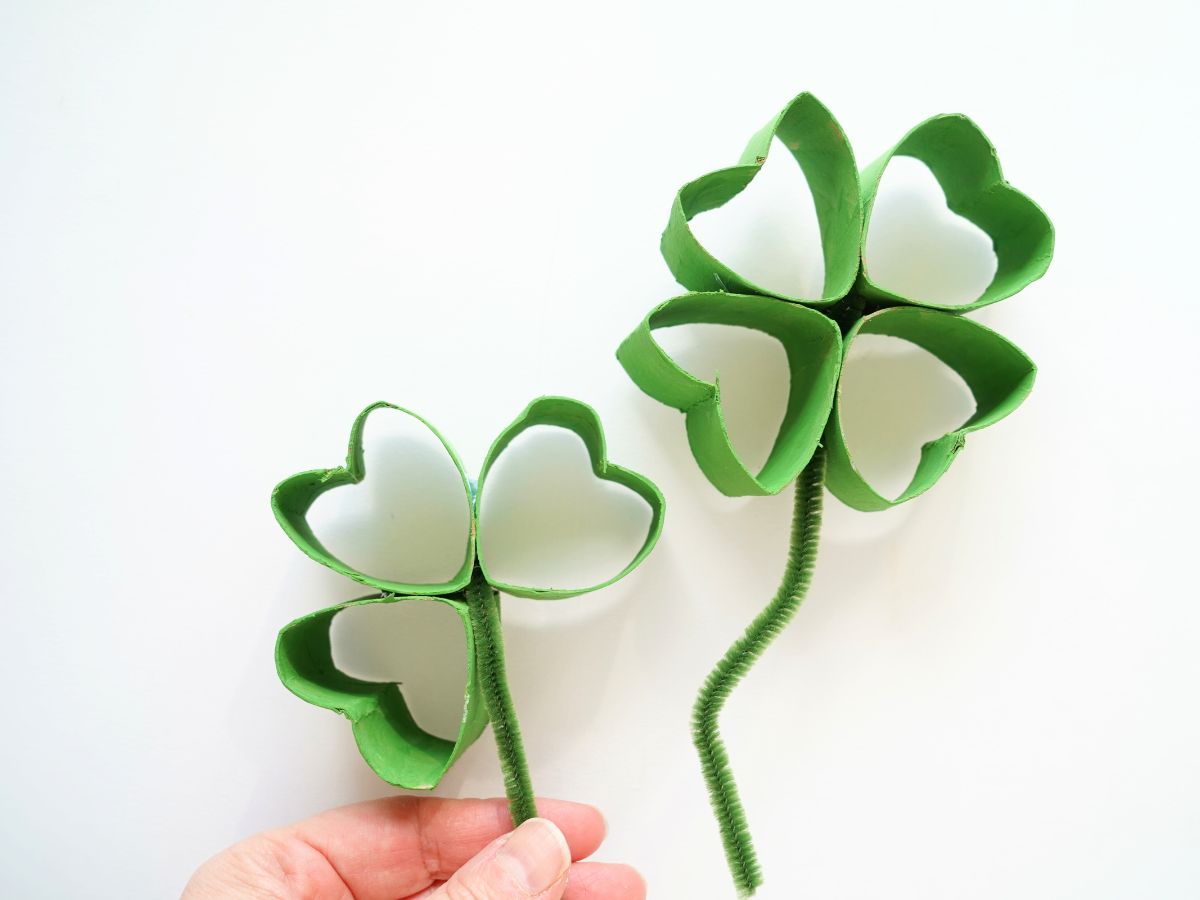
226 227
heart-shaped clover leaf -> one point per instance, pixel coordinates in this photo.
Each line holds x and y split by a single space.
813 346
393 744
581 420
820 147
966 166
294 497
997 373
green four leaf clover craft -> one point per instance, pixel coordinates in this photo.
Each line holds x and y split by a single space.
817 333
389 738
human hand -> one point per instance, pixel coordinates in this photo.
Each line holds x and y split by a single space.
428 848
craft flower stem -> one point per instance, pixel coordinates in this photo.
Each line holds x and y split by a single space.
484 605
714 759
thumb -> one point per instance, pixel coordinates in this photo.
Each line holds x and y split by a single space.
531 862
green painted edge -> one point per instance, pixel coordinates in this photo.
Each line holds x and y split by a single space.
824 154
389 739
966 165
294 496
813 345
999 375
577 417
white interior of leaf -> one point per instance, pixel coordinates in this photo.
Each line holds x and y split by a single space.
546 521
894 398
753 372
419 644
409 519
918 248
769 233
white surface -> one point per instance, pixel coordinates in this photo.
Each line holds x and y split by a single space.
226 227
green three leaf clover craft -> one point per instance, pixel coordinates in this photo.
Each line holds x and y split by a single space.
817 334
390 740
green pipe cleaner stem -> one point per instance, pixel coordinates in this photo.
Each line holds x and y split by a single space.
484 604
714 758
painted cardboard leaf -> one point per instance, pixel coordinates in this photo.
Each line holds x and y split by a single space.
813 346
389 739
582 420
997 373
293 497
966 166
820 147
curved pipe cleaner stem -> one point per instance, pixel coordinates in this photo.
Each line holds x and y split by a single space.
484 605
714 759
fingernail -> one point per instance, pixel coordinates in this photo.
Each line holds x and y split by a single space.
536 854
